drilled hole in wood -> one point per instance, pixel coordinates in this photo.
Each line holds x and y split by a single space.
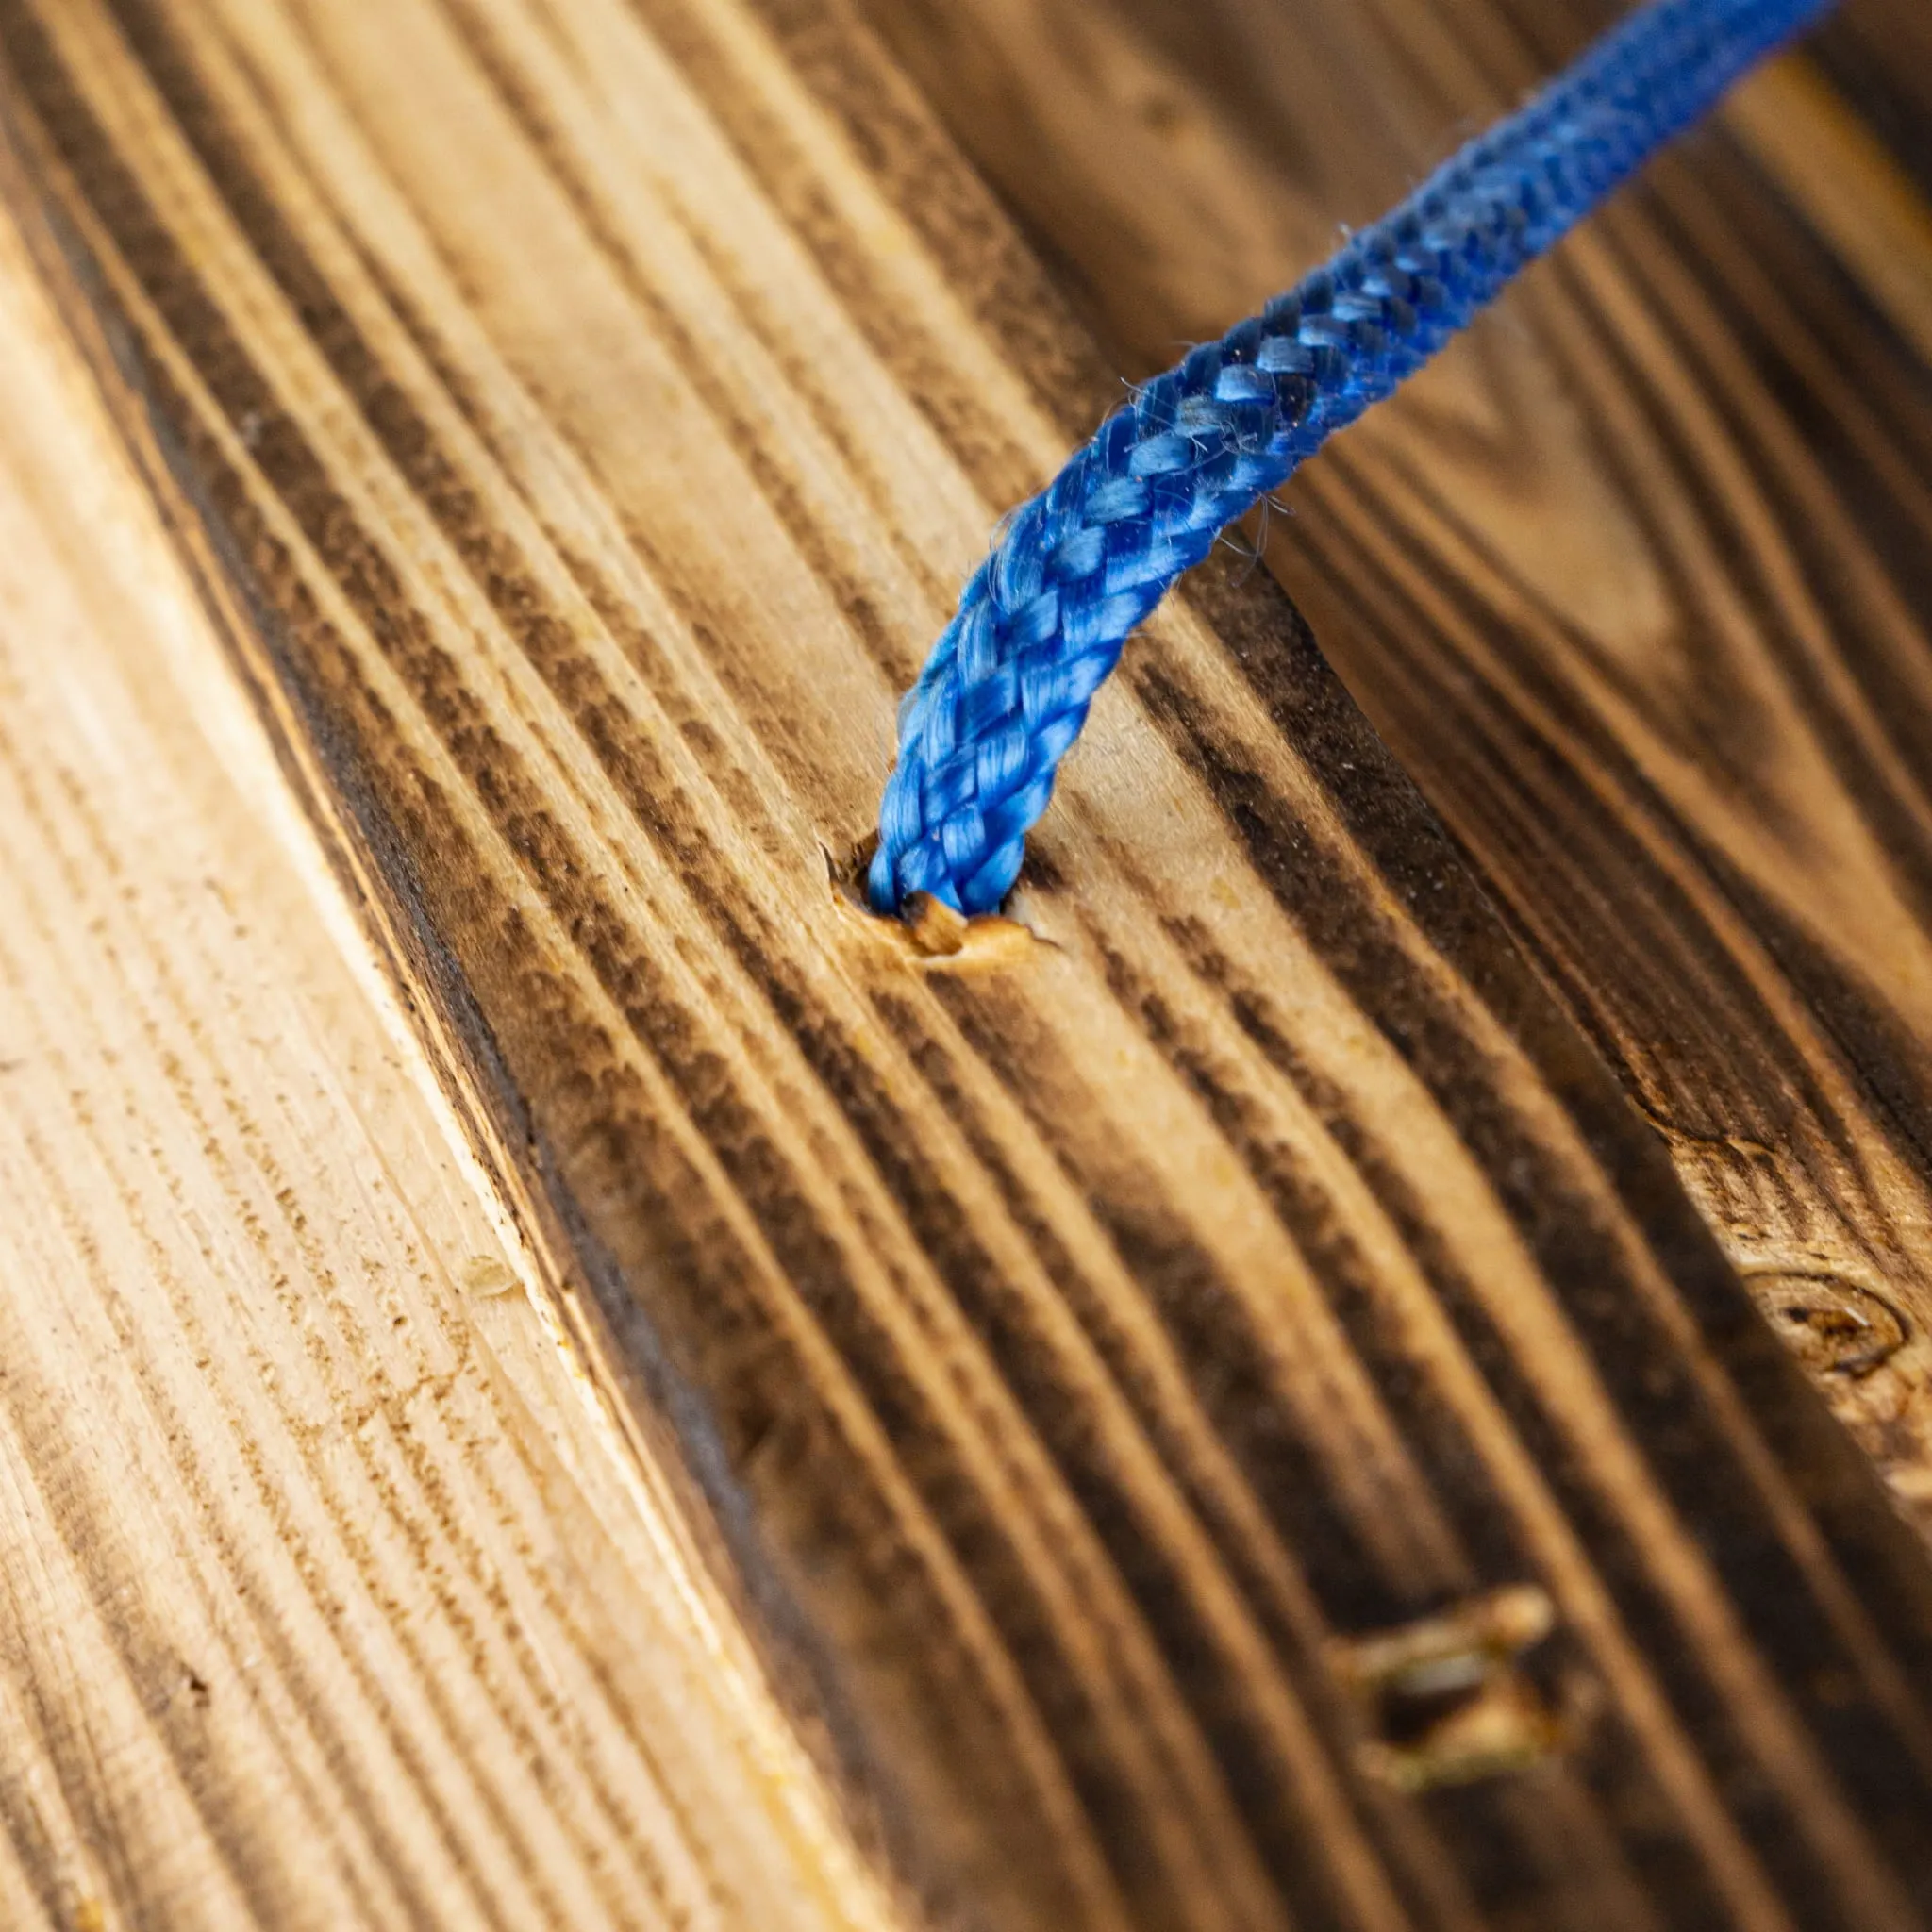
929 934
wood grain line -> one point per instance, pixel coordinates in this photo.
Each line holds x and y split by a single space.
1077 1344
1634 583
325 1596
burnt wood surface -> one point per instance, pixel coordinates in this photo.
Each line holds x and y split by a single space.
1634 581
1218 1411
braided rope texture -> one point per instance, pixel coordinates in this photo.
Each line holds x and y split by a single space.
1074 571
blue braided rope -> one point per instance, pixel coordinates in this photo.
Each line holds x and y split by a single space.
1075 570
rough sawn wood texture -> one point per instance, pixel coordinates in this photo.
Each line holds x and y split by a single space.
1633 581
331 1595
1125 1357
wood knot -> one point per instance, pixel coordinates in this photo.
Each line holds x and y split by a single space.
1832 1325
1445 1699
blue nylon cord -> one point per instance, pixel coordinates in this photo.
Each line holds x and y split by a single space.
1074 571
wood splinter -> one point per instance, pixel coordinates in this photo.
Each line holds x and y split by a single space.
1445 1699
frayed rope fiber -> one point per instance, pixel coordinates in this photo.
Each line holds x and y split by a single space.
1072 573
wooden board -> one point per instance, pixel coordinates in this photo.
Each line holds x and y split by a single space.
1179 1389
330 1594
1633 581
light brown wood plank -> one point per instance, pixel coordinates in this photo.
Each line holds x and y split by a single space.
1632 581
1092 1347
330 1595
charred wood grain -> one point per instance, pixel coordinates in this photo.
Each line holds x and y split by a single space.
1120 1362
